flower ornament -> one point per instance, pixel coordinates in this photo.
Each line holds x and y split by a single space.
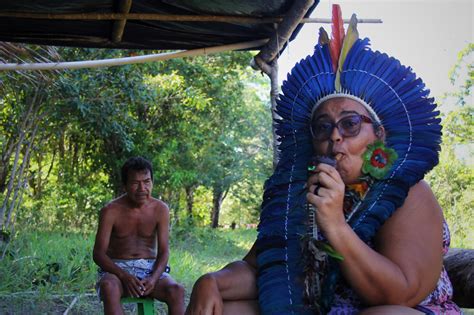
378 159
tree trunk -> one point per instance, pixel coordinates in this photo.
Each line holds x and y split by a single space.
190 201
28 128
217 198
459 264
20 180
271 70
274 91
171 198
4 163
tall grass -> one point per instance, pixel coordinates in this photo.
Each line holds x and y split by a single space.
43 272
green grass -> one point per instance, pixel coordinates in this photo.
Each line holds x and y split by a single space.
43 272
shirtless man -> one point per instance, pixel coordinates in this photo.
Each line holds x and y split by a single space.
131 245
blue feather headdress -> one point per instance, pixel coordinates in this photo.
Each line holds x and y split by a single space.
391 92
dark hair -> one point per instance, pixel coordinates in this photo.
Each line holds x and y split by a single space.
136 163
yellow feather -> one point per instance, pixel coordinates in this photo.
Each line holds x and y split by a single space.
349 40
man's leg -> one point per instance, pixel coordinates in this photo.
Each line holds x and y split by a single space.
247 307
172 293
110 292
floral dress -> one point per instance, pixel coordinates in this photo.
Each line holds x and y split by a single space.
346 301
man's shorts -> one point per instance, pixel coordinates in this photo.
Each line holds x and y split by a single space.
140 268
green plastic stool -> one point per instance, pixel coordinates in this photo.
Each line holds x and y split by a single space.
145 306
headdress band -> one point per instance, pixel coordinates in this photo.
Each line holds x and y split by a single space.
345 94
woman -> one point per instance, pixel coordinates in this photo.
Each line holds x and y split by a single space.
380 232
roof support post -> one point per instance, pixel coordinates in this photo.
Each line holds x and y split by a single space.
123 6
285 29
266 60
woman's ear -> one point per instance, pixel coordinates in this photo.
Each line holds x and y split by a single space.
380 133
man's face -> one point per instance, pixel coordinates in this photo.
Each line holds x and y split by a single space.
139 186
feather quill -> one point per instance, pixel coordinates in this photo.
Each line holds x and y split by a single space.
337 35
351 37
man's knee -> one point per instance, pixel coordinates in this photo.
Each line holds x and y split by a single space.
175 291
109 286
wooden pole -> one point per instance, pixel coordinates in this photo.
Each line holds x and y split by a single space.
119 25
129 60
168 17
266 60
143 16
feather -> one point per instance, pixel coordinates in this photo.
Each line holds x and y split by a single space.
337 35
351 37
323 37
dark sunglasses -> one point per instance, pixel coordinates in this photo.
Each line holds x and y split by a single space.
348 126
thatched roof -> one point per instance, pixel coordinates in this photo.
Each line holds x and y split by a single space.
144 24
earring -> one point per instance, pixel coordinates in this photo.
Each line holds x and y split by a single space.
378 159
379 132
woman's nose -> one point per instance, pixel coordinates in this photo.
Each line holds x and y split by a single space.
335 135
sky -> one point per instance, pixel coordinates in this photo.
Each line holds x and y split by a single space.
426 35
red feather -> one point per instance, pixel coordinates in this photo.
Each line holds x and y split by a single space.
337 35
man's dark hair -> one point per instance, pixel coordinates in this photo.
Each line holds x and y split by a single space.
136 163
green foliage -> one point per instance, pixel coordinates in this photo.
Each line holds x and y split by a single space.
57 262
453 179
452 182
195 251
201 121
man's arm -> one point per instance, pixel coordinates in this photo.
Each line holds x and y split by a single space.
102 240
162 257
236 281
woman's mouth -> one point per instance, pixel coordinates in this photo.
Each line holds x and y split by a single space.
338 156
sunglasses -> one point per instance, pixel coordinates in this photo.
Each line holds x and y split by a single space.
348 126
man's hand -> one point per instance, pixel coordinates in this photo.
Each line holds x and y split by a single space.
205 298
132 285
148 284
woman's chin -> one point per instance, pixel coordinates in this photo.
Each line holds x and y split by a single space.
347 178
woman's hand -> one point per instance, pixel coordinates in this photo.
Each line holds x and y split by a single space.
205 298
326 194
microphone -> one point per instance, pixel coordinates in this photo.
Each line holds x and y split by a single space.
314 256
315 161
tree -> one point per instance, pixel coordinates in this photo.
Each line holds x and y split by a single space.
23 125
453 179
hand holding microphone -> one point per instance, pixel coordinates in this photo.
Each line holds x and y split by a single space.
325 191
318 159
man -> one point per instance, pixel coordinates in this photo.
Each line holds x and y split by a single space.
131 245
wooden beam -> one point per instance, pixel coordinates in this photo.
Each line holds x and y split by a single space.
119 25
143 16
129 60
168 18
